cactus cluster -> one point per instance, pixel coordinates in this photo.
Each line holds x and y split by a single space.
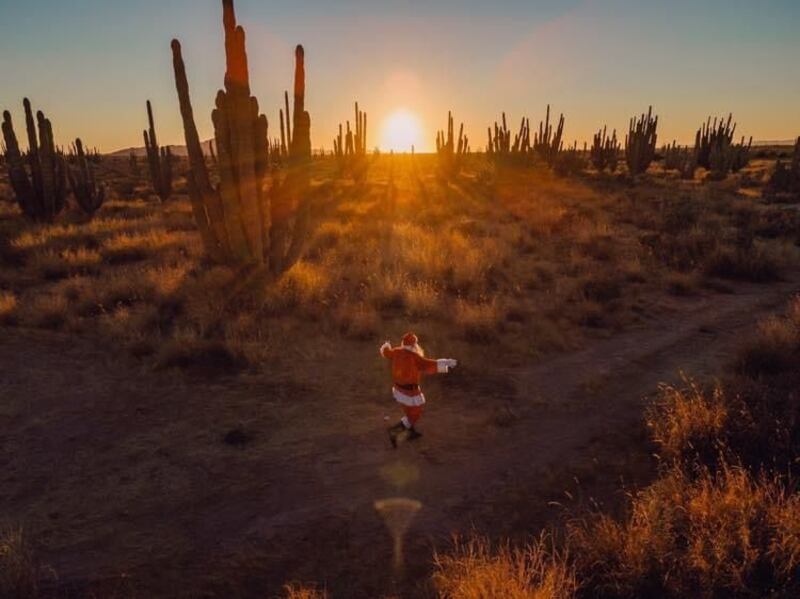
88 193
449 151
500 145
241 221
548 143
681 159
352 143
42 193
605 151
640 143
716 151
159 160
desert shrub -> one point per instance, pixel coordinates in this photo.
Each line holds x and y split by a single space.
359 321
421 299
473 570
688 422
772 350
479 322
8 306
19 572
302 284
298 591
46 311
756 263
713 536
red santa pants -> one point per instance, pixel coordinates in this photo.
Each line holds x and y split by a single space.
412 414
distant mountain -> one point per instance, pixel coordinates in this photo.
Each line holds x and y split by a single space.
140 151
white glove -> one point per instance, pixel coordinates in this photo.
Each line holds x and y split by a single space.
443 366
385 346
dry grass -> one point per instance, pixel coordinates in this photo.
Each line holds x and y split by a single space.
688 419
297 591
19 573
713 536
474 570
500 256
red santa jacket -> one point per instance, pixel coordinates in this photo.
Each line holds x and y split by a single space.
408 368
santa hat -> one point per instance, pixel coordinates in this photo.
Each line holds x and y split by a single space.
410 341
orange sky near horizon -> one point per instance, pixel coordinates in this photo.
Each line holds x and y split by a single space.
597 62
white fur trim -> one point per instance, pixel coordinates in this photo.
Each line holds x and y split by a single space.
385 346
406 422
414 349
443 366
408 400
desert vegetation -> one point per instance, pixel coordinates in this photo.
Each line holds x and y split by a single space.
246 255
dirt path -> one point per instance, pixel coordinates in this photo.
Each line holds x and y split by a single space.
116 469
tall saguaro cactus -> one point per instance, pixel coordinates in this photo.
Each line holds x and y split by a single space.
89 195
159 160
640 143
42 194
241 222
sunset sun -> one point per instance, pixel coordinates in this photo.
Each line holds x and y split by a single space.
401 131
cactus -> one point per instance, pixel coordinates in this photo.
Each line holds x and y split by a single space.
786 179
353 143
640 143
241 222
159 160
681 159
500 146
548 143
605 151
715 150
89 195
42 194
449 153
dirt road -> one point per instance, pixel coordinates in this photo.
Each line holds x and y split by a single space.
117 470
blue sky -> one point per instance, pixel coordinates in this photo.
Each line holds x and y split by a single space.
91 64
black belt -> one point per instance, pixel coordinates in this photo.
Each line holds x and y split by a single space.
407 387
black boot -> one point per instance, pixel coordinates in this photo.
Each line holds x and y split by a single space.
414 434
394 432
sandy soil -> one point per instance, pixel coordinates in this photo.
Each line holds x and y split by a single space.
121 473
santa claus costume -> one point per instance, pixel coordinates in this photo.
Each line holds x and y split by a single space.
409 364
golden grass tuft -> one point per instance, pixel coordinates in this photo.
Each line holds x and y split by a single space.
687 419
8 307
474 570
298 591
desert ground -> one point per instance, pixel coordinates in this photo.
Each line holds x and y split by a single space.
170 427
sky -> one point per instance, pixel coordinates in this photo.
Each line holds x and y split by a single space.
92 64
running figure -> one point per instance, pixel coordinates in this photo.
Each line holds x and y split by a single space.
408 365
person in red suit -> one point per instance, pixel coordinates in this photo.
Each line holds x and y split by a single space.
409 365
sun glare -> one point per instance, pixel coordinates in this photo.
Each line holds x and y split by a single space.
401 131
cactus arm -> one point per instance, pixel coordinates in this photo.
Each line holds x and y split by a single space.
206 204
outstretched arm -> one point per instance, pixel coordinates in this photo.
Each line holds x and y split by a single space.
442 366
386 350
